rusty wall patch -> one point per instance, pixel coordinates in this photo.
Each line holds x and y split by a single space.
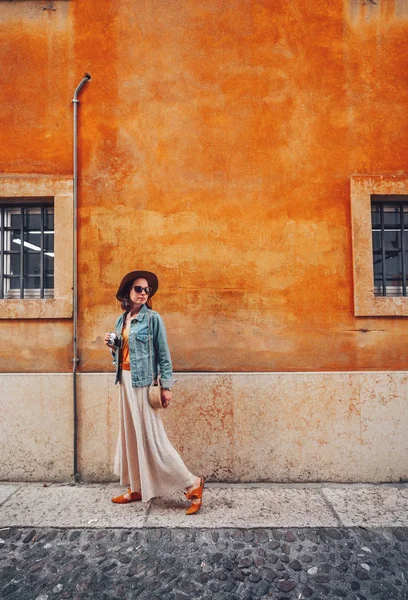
364 11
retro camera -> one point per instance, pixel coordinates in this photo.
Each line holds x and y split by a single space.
115 340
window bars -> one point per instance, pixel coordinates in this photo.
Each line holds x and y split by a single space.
27 250
389 216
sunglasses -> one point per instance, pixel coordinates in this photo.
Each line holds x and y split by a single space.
139 289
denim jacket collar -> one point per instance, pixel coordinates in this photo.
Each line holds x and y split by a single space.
140 315
143 310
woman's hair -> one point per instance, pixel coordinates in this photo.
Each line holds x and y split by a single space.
125 301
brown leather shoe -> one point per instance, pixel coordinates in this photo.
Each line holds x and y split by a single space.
133 497
196 497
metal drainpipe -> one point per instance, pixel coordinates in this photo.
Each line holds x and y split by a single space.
75 359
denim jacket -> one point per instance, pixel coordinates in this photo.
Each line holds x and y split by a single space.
147 333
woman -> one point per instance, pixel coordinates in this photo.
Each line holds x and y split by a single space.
145 459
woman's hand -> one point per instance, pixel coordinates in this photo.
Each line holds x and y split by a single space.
106 338
165 397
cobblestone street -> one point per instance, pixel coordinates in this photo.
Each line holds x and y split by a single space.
181 564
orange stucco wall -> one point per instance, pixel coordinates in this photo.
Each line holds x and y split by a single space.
217 141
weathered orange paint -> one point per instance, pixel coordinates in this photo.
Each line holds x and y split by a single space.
217 141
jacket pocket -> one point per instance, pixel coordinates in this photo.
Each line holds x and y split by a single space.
142 344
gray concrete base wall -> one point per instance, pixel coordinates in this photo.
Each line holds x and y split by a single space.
235 427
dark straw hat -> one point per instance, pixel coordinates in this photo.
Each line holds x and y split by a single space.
151 279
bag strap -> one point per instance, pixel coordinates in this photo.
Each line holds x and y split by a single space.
151 351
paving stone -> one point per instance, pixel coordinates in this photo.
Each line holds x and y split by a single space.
321 578
9 589
285 548
295 565
207 568
401 534
108 567
310 535
229 586
340 592
361 574
261 589
391 589
269 575
177 596
217 556
254 577
323 589
245 562
286 585
271 558
179 563
29 536
214 586
333 533
238 545
273 545
74 535
306 558
187 587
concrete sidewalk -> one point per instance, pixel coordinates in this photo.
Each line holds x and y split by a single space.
225 506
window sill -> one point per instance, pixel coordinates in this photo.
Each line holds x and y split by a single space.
55 308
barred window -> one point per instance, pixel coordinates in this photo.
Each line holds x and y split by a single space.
389 217
27 248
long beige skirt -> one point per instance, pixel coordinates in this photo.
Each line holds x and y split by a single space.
145 460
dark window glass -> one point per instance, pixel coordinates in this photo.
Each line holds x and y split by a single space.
49 265
27 249
32 264
14 262
32 219
390 244
15 218
49 219
49 242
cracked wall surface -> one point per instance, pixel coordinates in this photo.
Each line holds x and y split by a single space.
277 427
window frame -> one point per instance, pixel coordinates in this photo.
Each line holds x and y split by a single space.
61 190
390 205
366 304
7 291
